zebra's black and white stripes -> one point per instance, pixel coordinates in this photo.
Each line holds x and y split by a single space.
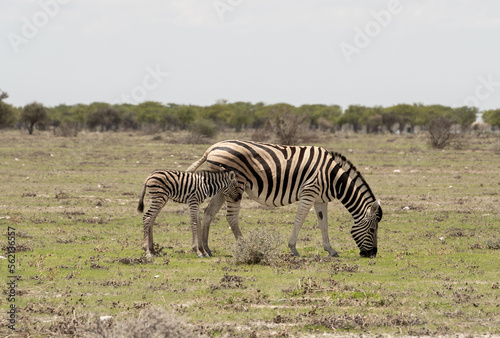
184 187
276 175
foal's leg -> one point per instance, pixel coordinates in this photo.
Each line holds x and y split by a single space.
195 227
157 203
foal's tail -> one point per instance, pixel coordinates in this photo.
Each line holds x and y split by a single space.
140 207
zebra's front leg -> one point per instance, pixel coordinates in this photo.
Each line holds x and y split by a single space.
322 213
195 228
213 207
305 205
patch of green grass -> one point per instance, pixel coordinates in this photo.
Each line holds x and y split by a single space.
73 204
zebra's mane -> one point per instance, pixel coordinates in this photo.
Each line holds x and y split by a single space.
207 173
354 174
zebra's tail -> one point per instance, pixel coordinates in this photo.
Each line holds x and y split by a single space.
198 163
140 207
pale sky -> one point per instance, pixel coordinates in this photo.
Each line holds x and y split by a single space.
344 52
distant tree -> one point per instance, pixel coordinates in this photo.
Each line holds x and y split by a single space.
355 115
149 112
32 114
492 117
243 114
129 121
185 115
400 115
321 116
373 118
428 113
261 115
79 113
219 112
105 118
465 116
7 113
374 123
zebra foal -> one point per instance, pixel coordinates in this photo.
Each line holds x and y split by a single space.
190 188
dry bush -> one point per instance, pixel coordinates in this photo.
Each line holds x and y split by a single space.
261 135
287 126
66 129
257 247
152 322
440 132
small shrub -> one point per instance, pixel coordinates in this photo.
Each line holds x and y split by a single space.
66 129
151 322
257 247
286 125
204 128
440 132
493 244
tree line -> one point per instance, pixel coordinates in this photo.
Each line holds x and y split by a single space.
100 116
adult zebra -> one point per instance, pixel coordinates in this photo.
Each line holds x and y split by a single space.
277 175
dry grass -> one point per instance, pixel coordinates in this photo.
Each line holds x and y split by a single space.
258 246
72 203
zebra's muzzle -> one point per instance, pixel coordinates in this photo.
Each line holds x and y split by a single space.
368 253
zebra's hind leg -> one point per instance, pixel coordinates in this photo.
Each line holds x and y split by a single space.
305 205
213 207
322 213
157 203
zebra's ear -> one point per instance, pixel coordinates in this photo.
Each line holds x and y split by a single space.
376 209
373 208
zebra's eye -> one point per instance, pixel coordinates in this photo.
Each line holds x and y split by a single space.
372 230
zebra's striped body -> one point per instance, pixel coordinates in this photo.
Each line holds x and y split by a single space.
188 188
276 175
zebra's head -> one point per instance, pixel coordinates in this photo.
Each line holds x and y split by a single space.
232 191
364 232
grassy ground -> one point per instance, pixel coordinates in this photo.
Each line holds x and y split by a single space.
69 204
